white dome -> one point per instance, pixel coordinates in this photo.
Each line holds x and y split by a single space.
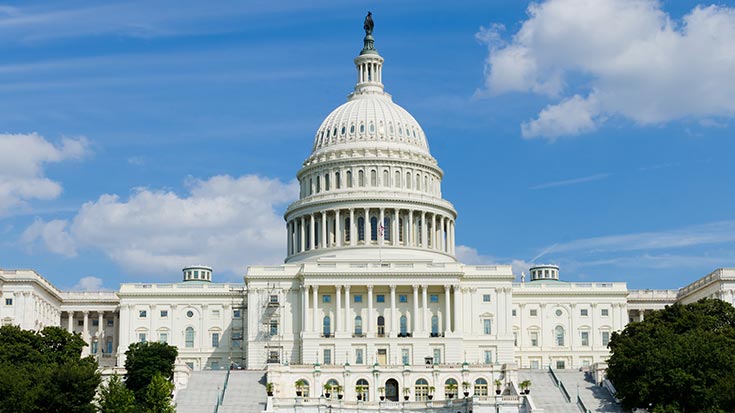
370 117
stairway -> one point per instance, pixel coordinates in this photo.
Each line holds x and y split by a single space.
201 392
245 392
544 392
596 398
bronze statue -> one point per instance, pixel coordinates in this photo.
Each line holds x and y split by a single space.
368 25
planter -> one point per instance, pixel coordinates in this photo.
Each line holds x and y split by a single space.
298 393
382 398
327 395
340 396
270 393
450 395
405 398
527 391
431 397
359 397
466 394
497 391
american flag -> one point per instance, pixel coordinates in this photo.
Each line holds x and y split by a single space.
381 230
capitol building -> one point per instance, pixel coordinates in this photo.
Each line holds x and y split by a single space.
371 304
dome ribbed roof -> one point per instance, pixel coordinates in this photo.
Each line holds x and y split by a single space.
370 117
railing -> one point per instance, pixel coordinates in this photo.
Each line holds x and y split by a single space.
560 385
221 396
582 406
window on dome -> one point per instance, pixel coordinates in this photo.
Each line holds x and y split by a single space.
361 178
386 178
343 131
400 131
326 182
337 181
408 180
362 128
349 179
311 185
400 229
318 186
334 132
414 133
397 183
352 129
381 128
373 178
327 133
361 229
347 230
386 229
418 182
373 229
426 183
391 128
372 127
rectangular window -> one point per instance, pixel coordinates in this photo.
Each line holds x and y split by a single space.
142 337
236 339
94 347
605 312
110 322
605 338
236 313
434 298
513 312
402 298
560 365
80 323
487 326
215 313
8 301
488 357
95 323
380 298
358 298
486 298
583 312
215 339
326 298
163 337
515 339
164 313
274 299
358 356
327 356
534 339
534 312
109 346
405 357
585 338
274 327
142 313
535 364
437 356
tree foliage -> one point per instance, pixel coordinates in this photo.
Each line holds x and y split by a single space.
114 397
158 396
44 372
146 360
680 359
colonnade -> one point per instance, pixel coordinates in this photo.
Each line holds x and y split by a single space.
350 227
344 316
99 336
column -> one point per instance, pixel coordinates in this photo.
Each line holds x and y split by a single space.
396 235
71 321
409 227
304 308
337 312
424 241
393 330
288 238
337 229
302 246
116 330
315 305
451 244
446 311
458 309
594 333
368 227
348 316
353 241
415 323
311 232
425 326
380 224
323 243
433 232
573 330
371 321
85 331
100 328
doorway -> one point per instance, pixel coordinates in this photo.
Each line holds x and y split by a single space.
391 390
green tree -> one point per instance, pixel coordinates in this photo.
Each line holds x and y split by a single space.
158 396
144 361
114 397
680 359
44 372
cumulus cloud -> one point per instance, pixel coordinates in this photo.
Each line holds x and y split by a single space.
469 255
52 235
22 161
89 284
625 58
223 221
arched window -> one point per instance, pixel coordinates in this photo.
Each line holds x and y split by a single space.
418 182
480 387
189 337
373 229
386 178
386 229
318 184
358 326
302 388
361 229
326 326
450 388
404 326
397 183
559 333
326 182
373 178
347 230
408 180
337 181
311 186
361 178
333 388
381 326
349 179
426 183
362 388
421 390
434 326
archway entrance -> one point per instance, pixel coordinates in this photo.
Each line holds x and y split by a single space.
391 390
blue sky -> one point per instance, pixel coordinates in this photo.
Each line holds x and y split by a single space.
138 137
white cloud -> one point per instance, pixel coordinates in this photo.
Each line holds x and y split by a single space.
573 181
22 161
224 222
52 235
624 58
89 284
469 255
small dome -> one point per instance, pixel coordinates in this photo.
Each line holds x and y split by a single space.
370 117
